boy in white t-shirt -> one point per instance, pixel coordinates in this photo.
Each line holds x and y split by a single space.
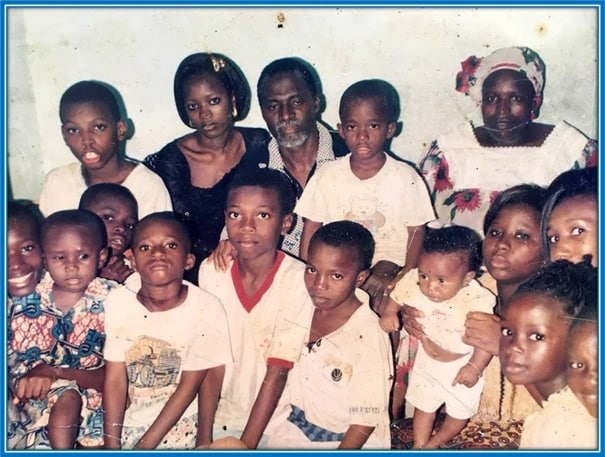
94 130
166 340
339 388
368 186
267 308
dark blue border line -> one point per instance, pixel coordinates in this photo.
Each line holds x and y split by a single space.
284 4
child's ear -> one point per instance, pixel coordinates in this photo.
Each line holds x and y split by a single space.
468 278
122 130
287 224
103 257
341 130
361 277
189 261
391 129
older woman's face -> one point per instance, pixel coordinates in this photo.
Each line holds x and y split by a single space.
208 105
506 106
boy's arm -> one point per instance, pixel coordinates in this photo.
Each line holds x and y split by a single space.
114 403
389 316
415 239
174 408
470 373
264 405
356 436
208 396
36 383
382 274
309 228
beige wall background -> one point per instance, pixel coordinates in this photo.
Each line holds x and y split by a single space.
418 50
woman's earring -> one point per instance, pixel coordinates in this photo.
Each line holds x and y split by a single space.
191 124
532 115
234 111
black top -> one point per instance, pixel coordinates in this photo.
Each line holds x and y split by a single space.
203 208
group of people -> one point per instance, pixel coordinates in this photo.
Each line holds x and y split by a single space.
297 286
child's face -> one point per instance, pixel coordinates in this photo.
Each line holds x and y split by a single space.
533 343
331 275
24 257
72 257
289 109
365 129
160 254
208 105
572 229
583 364
92 134
512 249
254 221
119 218
441 276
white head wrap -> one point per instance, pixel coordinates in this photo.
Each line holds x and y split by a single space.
476 69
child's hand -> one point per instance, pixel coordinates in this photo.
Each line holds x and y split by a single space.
116 269
389 322
36 383
482 330
468 376
222 256
228 442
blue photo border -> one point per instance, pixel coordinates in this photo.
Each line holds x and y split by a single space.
5 97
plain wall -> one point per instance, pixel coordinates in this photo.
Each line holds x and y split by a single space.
418 50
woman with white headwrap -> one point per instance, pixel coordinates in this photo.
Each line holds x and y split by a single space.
467 167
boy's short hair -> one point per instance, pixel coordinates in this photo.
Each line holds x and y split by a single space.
347 234
98 192
76 217
294 65
90 92
530 195
219 66
378 89
573 284
27 211
268 178
569 184
455 239
164 216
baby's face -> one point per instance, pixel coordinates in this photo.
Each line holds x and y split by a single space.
572 229
441 276
583 364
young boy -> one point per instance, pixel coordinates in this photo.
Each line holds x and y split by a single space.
445 370
339 388
165 339
24 268
267 308
385 195
93 129
60 382
118 209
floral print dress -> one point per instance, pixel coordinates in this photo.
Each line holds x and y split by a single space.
41 333
464 177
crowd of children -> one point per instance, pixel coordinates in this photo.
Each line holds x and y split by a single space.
109 346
